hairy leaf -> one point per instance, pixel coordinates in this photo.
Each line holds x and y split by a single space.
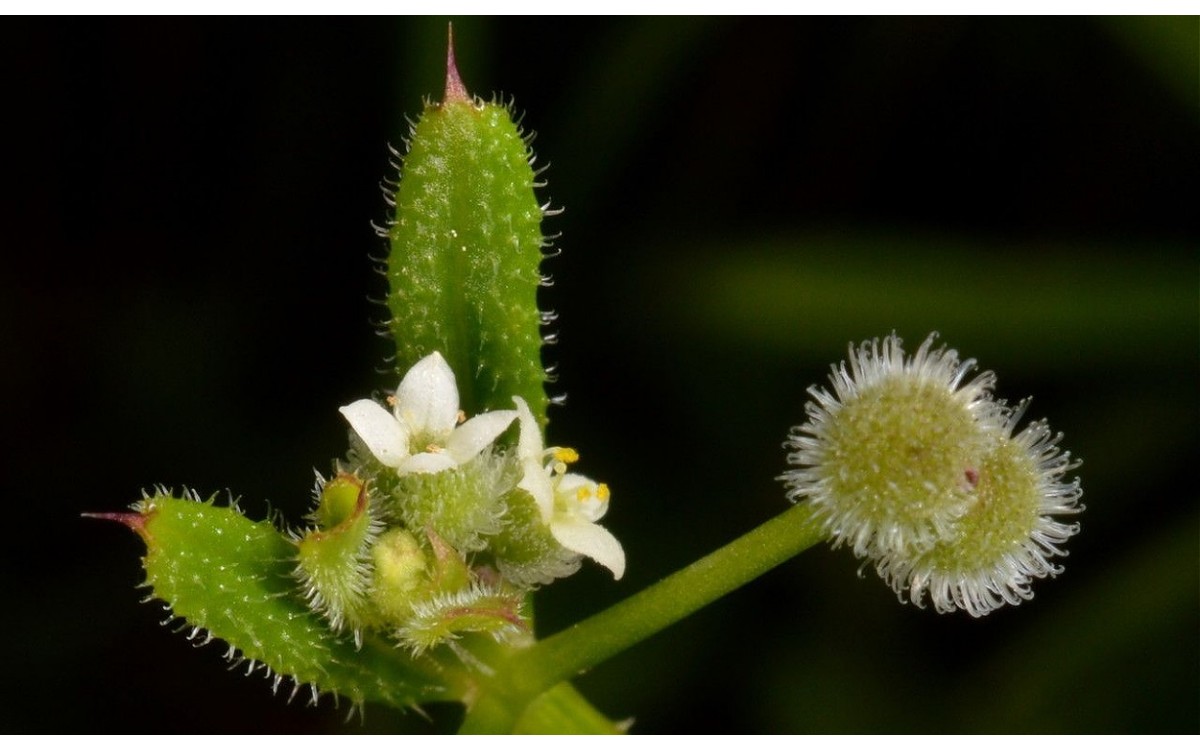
466 243
232 578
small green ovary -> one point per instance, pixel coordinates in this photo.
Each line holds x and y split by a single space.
524 551
462 505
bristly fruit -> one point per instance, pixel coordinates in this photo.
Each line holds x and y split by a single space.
334 559
465 245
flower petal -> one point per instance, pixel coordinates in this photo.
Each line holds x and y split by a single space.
592 540
477 433
386 438
535 481
426 463
427 399
582 497
530 444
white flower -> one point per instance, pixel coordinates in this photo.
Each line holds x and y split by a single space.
423 433
570 504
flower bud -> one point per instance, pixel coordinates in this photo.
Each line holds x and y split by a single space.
400 574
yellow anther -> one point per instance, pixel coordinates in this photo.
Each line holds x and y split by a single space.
391 400
460 417
602 492
583 493
434 448
566 455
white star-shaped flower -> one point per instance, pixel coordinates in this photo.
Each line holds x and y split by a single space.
422 433
570 504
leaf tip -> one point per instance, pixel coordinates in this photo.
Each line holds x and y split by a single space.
455 90
135 521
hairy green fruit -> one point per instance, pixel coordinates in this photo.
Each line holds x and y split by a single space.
464 506
334 560
525 551
466 242
475 609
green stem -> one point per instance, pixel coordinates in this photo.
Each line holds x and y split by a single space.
531 672
562 710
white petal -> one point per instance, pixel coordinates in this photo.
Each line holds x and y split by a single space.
592 540
385 437
537 483
427 398
529 445
426 463
529 449
582 496
477 433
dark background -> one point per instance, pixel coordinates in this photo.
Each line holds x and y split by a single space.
185 301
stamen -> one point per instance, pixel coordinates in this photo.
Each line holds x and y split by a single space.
566 455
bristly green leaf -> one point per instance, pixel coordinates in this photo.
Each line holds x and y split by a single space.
231 577
466 242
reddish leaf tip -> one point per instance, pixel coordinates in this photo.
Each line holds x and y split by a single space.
455 90
135 521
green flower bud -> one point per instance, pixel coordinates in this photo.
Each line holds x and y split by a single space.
400 575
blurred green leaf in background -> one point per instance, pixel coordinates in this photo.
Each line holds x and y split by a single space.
186 302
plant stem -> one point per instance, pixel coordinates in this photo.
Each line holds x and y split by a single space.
531 672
